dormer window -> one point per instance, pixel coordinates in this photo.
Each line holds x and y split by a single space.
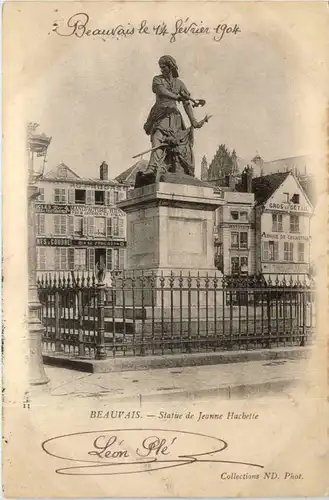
286 197
295 199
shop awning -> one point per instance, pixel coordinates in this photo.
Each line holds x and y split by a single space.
302 280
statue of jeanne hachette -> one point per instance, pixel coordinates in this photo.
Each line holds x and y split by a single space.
172 142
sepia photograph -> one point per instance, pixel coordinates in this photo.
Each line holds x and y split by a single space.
165 249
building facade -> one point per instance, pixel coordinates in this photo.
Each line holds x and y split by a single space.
234 234
78 225
282 225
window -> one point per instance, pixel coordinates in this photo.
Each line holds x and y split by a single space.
41 259
244 263
80 258
60 225
80 196
40 224
301 252
243 240
235 215
235 265
286 197
78 226
244 216
99 197
270 250
41 196
235 240
294 223
59 195
277 222
295 199
99 229
61 261
115 226
116 260
116 197
110 197
288 251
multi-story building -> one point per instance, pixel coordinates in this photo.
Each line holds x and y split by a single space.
77 222
282 225
234 234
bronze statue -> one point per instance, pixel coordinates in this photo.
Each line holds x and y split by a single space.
172 142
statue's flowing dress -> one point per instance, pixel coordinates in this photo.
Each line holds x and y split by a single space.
165 125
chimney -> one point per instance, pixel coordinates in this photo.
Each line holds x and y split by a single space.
104 171
249 174
246 179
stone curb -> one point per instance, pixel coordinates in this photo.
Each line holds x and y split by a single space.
174 360
224 392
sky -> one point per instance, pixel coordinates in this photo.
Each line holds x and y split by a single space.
93 95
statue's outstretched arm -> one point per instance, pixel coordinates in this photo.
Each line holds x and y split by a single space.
189 112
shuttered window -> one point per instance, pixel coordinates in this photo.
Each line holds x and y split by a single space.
60 225
90 197
115 227
40 224
90 224
109 259
70 258
59 195
121 227
100 229
91 259
80 259
71 196
41 259
122 254
109 226
288 253
61 259
116 260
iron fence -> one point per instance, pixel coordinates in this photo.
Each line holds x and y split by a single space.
140 314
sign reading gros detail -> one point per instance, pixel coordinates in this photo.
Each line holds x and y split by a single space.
288 207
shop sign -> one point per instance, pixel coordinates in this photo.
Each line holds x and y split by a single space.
282 268
100 211
97 187
288 207
46 208
67 242
54 242
285 237
98 243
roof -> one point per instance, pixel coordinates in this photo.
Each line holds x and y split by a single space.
65 174
309 187
129 175
298 164
263 187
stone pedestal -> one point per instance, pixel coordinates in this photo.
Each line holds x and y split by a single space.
170 237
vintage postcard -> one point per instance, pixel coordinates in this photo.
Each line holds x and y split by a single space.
165 249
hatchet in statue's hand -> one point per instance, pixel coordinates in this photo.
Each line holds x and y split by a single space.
200 124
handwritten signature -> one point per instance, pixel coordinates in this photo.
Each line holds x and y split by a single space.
129 451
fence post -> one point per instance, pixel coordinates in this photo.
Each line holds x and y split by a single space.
57 323
80 323
100 341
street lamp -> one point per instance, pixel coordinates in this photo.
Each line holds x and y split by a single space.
37 146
